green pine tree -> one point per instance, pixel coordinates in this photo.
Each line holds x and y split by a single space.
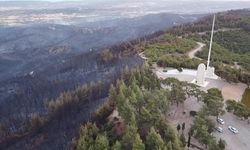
101 142
117 146
138 144
154 141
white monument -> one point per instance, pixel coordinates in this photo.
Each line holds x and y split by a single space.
204 72
201 73
210 72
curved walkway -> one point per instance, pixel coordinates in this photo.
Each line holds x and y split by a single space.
192 53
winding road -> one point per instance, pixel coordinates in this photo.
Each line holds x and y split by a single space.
199 47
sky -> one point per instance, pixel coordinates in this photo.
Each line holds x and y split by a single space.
117 0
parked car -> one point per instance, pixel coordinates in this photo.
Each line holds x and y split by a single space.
165 70
219 129
221 121
232 129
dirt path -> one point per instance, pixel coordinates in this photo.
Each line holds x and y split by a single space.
233 91
192 53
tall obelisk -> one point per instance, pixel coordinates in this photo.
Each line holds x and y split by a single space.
203 71
210 70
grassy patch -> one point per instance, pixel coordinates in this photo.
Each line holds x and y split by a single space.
178 61
168 44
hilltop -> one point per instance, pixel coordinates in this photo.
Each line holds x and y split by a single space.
138 97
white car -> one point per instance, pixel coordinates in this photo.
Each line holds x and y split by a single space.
221 121
219 129
232 129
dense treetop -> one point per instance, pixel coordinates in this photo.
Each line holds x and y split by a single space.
140 122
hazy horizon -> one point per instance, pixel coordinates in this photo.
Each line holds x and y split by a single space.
114 0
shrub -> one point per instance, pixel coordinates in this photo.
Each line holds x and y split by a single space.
193 113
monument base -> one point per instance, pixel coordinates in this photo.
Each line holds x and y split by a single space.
210 73
205 83
212 77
